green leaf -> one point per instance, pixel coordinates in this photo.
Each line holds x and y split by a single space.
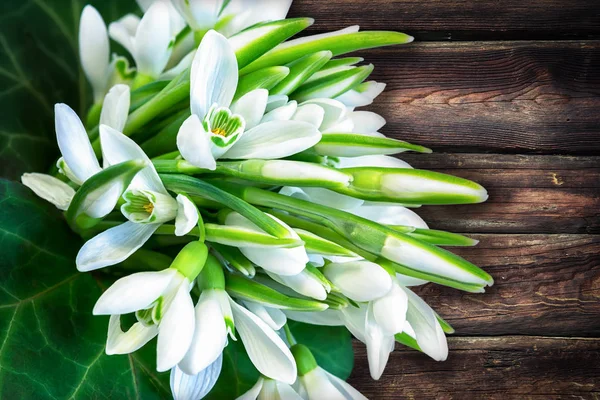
39 67
264 78
354 145
332 85
336 42
331 346
300 71
51 346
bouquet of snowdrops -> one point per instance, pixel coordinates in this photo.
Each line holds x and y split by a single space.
231 182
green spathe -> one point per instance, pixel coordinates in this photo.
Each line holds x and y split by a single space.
191 259
305 361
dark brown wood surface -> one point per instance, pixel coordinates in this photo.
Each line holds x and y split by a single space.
507 93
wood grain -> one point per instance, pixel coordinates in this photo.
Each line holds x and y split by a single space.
512 367
547 285
528 193
459 20
502 97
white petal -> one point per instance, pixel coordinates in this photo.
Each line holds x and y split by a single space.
273 317
366 121
379 345
187 216
390 215
74 143
372 161
349 392
266 349
318 386
410 281
123 31
276 101
325 317
354 318
199 14
354 98
251 107
193 387
335 111
120 342
194 144
330 198
116 107
214 74
389 311
283 113
102 199
311 113
50 189
280 261
275 139
118 148
210 335
303 283
176 329
145 4
428 332
359 280
254 391
344 126
94 50
153 40
134 292
113 245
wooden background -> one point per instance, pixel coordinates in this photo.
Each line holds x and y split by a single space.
507 93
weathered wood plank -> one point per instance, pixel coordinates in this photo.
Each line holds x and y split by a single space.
528 194
459 20
503 97
545 285
513 367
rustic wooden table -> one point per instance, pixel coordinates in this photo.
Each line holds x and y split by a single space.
508 94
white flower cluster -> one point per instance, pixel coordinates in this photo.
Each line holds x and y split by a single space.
300 212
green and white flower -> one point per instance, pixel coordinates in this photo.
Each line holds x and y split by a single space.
266 388
147 206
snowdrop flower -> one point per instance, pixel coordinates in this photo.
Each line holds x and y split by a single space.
78 161
359 280
177 23
280 261
304 283
186 387
267 351
236 15
320 384
315 383
94 52
266 388
220 129
149 40
147 206
362 95
163 307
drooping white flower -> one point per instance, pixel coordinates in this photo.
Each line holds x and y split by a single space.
78 161
267 351
359 280
320 384
266 388
149 40
163 307
281 261
94 53
210 333
147 206
220 129
235 15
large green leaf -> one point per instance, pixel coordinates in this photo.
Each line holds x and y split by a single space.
39 67
51 346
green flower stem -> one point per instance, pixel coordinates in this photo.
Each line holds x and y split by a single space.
439 238
93 117
142 95
369 236
76 214
166 139
337 44
288 335
141 80
196 187
144 260
247 289
299 71
265 78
